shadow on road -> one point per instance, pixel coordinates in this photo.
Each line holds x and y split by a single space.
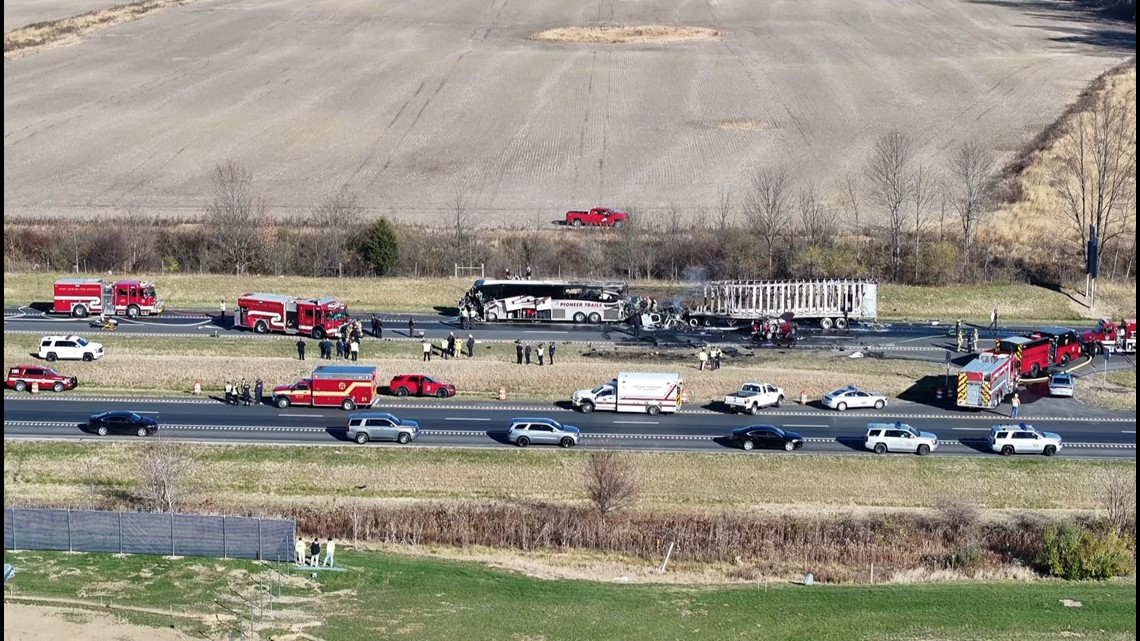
854 443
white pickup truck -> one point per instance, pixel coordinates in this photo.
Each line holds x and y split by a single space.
752 396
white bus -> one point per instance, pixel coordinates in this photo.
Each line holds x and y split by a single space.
548 300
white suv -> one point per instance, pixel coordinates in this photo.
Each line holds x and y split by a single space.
69 347
899 437
1023 439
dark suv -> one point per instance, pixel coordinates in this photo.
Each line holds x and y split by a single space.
21 377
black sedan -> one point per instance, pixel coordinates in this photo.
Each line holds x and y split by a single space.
766 436
122 422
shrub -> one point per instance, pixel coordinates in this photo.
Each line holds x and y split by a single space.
1074 553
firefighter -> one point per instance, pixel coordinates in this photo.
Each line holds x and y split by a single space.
245 396
958 327
960 338
229 392
411 327
301 349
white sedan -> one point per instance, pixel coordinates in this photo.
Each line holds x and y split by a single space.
1061 384
852 397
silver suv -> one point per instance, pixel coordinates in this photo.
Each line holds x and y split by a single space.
525 431
899 437
380 426
1023 439
69 347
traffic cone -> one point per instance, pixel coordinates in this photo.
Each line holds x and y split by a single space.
502 393
803 397
35 387
197 388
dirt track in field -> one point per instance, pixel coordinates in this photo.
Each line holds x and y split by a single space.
409 103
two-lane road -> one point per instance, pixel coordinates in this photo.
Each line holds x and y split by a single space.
1105 435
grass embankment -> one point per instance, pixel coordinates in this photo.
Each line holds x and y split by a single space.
1118 393
387 596
31 37
135 363
972 303
255 477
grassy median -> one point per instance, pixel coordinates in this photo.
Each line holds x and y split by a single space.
972 303
382 595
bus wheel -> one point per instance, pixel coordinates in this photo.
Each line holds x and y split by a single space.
492 317
579 317
595 317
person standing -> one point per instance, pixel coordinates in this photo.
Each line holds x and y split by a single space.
355 349
716 358
529 272
451 344
301 349
245 396
379 327
993 319
443 348
1015 404
427 350
462 318
551 352
222 315
330 552
470 346
541 353
960 338
258 391
299 550
411 327
518 352
315 553
636 322
702 358
339 347
526 352
229 392
974 342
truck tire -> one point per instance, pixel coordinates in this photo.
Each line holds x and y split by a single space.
1050 450
923 450
1065 359
587 406
841 323
579 317
57 387
261 327
21 386
283 402
51 356
1034 371
522 441
1007 450
779 399
617 223
492 317
88 356
825 323
577 222
79 311
348 405
753 409
401 391
595 317
133 311
653 410
880 448
403 438
318 333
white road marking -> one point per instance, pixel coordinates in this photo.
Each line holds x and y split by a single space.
637 422
543 331
1127 431
971 429
305 415
461 418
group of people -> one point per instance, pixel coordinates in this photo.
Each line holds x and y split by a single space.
447 347
523 352
314 552
527 275
971 341
345 348
709 356
241 394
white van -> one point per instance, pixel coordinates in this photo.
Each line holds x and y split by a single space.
633 392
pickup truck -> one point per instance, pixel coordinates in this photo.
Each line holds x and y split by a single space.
753 396
596 216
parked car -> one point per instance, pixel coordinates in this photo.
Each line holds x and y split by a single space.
1061 384
1023 439
21 377
122 422
765 436
853 397
753 396
69 347
420 385
899 437
525 431
381 426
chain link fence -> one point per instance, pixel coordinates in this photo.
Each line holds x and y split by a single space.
149 533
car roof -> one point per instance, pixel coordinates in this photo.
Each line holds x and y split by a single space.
849 388
1062 375
118 413
535 419
58 337
897 425
361 415
758 426
1013 427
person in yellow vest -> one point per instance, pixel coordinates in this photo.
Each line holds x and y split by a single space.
330 552
299 548
960 337
1016 404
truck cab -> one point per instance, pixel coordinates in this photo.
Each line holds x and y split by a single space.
642 392
603 216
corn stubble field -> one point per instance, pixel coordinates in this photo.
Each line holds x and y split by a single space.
461 97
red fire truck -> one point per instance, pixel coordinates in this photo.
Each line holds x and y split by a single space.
346 386
1034 355
986 380
316 317
1111 336
1066 343
83 296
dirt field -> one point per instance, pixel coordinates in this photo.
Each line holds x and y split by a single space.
460 97
19 13
24 622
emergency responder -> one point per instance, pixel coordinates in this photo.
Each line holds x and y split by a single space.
960 339
301 349
229 392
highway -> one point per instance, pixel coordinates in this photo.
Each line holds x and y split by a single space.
1087 433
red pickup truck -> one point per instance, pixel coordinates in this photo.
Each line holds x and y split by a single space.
596 216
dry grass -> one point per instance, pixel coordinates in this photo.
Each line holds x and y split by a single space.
275 478
24 40
644 34
404 295
1119 393
167 368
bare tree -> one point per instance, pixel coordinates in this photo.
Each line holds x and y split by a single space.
889 177
972 194
815 218
1118 498
164 469
922 195
236 217
137 233
1096 173
851 190
462 216
610 483
768 209
336 220
724 209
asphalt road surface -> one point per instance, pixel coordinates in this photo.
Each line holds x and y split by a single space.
1088 434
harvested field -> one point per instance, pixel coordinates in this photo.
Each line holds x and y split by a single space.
460 98
68 30
648 34
21 13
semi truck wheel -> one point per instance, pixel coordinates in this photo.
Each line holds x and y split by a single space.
825 324
840 323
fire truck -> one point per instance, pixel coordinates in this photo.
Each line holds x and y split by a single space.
1033 355
986 380
316 317
346 386
82 296
1111 336
1066 343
